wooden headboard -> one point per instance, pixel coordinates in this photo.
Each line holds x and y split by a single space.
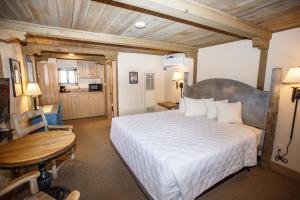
254 101
259 108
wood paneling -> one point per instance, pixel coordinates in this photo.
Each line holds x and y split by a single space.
82 104
48 82
100 17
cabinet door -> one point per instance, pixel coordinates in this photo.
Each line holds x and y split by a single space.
80 68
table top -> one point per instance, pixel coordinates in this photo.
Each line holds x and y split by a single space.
36 148
168 104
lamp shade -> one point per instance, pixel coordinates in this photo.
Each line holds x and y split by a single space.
293 76
33 89
177 76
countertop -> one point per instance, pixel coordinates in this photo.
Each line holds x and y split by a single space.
78 90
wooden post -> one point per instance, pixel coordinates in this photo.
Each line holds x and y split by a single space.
263 45
271 117
195 67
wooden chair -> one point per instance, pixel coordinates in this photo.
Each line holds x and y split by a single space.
31 177
23 119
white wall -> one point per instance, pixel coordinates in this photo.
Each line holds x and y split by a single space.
239 61
131 95
173 94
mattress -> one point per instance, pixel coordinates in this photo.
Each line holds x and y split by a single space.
177 157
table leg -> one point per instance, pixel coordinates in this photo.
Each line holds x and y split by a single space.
44 180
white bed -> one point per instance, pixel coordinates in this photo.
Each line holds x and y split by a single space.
177 157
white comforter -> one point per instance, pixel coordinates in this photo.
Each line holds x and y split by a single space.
178 157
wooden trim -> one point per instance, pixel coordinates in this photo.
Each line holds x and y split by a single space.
56 32
280 169
10 35
197 14
195 68
262 68
271 117
37 49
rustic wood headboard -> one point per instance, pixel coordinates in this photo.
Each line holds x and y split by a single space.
254 101
259 108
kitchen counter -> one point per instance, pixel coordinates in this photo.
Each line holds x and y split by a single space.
78 90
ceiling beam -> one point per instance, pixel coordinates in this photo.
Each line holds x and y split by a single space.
196 13
55 32
37 49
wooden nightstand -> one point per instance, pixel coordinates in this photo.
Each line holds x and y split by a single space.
168 105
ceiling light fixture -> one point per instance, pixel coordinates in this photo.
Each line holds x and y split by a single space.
71 54
140 24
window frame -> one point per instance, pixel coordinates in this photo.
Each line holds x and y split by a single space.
75 70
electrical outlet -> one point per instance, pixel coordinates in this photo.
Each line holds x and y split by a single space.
279 147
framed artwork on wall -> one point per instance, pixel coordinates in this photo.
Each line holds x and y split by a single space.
30 70
133 78
16 77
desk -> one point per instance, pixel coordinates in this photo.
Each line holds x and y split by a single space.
168 105
37 149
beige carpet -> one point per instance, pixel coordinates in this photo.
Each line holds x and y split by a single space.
99 174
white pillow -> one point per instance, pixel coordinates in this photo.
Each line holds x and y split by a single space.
211 108
230 112
194 107
182 105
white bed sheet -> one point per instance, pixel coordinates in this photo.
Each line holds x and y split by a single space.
178 157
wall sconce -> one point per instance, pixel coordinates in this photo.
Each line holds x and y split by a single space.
292 77
33 90
177 76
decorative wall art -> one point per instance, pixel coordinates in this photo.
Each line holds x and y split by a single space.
133 78
16 77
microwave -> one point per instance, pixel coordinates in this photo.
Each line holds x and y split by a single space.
95 87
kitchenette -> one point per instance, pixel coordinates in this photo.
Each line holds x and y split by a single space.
77 86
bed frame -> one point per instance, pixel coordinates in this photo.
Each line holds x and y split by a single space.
259 108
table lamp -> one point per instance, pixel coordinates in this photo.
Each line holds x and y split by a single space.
292 77
178 77
33 90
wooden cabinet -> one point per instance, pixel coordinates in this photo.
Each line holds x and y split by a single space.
82 104
88 69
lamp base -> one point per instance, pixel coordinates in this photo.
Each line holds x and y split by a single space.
35 106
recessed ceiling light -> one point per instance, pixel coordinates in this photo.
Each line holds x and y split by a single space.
71 54
140 24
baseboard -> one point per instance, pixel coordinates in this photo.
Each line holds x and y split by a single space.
285 171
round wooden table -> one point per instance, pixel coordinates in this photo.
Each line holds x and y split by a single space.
37 149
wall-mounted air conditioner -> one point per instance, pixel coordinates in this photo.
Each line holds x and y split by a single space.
177 59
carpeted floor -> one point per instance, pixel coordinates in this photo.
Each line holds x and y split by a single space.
98 173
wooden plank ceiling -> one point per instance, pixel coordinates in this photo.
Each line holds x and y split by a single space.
95 16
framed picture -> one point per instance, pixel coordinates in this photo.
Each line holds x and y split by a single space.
30 70
133 78
16 77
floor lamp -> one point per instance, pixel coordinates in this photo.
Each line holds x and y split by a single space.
292 77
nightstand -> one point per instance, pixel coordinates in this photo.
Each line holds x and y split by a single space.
168 105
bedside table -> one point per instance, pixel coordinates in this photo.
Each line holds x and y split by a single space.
168 105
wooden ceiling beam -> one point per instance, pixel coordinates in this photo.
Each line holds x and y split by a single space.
55 32
196 13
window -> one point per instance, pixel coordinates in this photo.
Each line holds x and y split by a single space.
67 76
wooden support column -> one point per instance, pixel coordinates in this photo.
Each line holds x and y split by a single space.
194 56
271 117
195 67
263 45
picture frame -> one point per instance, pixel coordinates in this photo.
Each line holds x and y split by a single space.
29 69
133 78
16 77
